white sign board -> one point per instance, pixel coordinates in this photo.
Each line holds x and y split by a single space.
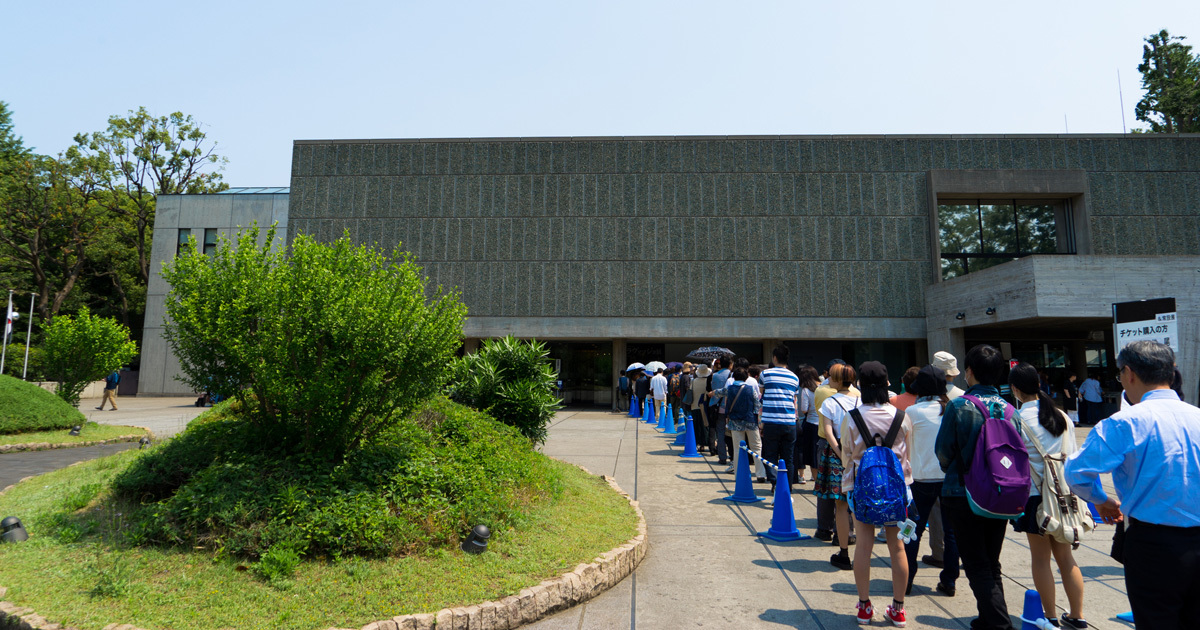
1147 320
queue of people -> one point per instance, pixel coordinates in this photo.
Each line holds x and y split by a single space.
973 463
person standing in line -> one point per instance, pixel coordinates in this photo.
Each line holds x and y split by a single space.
903 400
1042 421
1071 398
755 372
979 538
641 385
716 410
807 422
780 392
926 417
1152 450
1090 399
741 406
686 376
700 408
948 364
825 507
830 467
658 387
110 390
623 393
878 415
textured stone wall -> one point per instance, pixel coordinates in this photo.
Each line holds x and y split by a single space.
770 227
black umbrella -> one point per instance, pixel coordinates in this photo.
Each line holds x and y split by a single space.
708 353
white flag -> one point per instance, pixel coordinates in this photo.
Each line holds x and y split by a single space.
11 316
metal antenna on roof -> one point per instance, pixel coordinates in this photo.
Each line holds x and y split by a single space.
1121 96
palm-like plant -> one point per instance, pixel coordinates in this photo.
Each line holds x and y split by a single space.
513 381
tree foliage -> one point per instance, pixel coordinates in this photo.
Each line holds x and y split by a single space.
81 349
513 381
1171 79
337 341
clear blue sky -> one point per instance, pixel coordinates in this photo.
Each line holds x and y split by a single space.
259 75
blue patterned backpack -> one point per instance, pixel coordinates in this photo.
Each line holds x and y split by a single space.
880 496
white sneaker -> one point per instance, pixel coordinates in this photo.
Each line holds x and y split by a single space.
729 469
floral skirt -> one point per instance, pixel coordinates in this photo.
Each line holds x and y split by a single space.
829 473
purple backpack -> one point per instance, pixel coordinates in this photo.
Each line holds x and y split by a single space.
997 481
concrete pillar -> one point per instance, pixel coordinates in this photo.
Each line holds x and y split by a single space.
951 340
620 362
768 348
1078 360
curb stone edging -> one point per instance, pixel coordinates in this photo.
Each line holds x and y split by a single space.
48 446
530 604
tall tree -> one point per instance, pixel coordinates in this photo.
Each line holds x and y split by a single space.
11 145
1171 78
137 158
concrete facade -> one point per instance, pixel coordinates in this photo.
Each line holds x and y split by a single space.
226 212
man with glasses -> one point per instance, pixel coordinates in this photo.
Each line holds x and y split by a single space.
1152 450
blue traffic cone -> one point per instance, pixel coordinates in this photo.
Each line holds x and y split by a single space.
743 486
689 441
635 407
650 412
672 428
665 419
645 411
1032 613
1126 616
783 518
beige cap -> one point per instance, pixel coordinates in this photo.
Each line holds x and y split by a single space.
947 363
703 371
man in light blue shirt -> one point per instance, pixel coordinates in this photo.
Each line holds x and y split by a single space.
1152 450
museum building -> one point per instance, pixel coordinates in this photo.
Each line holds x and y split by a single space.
614 250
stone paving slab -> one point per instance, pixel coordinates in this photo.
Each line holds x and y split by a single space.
706 568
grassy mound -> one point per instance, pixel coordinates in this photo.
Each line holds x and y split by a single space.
78 567
27 407
423 484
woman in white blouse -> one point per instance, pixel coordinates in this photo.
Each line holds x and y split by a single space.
1042 421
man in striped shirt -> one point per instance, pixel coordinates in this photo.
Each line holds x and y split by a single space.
780 390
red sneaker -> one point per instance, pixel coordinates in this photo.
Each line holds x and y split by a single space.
866 612
894 615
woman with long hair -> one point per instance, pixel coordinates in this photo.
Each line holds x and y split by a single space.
805 451
1042 421
829 460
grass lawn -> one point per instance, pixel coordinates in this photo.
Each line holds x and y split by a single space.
91 431
92 584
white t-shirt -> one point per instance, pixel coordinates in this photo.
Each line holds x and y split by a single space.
806 406
1033 430
926 418
658 385
835 409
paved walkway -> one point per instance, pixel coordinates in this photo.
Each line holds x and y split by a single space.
706 568
163 415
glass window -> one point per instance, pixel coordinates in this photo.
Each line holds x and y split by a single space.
210 241
978 234
184 234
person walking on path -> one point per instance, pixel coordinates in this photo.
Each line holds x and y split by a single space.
1071 398
979 538
829 462
780 391
807 422
1042 421
925 415
1090 399
1152 450
878 415
110 390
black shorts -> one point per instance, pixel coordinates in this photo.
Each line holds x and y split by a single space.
1028 522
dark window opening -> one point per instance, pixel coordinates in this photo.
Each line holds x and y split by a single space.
979 233
184 235
210 241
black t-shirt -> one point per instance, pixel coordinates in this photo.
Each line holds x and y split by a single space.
643 387
1070 395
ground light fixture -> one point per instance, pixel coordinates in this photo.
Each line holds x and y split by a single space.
960 316
75 430
991 310
476 542
143 443
11 530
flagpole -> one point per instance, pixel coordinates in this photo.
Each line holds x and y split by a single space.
7 326
28 337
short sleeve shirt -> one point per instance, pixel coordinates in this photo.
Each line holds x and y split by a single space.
779 396
659 385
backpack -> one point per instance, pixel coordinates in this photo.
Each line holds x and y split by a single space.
623 385
997 480
1060 513
880 496
685 386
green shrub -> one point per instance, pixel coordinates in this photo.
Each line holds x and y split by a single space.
423 483
513 381
26 407
336 341
79 350
278 564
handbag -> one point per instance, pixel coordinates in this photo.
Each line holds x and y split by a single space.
1061 514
